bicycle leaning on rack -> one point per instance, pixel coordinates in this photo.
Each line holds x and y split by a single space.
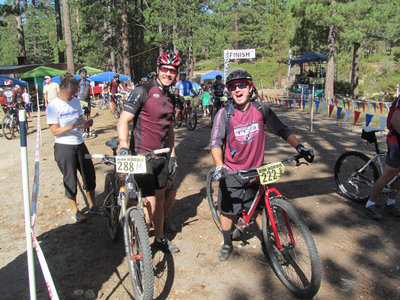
10 124
287 239
120 188
189 113
356 173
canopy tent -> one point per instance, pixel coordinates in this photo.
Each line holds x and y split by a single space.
89 70
309 57
42 71
56 79
108 76
15 81
212 75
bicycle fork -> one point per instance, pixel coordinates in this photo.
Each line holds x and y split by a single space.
271 217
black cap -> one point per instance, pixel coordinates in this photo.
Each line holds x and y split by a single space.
82 71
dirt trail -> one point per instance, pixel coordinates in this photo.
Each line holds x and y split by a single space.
360 257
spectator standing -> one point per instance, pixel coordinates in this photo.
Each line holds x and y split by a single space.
84 97
50 90
65 119
27 102
205 98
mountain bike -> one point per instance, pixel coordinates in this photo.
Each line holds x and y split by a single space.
356 173
288 242
118 104
10 124
120 188
189 113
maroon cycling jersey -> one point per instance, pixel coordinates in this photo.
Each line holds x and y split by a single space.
114 84
153 108
246 135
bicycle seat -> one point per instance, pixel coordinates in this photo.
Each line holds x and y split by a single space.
112 144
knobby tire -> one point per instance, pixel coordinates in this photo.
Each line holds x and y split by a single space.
191 118
355 185
8 128
138 252
298 266
212 196
111 206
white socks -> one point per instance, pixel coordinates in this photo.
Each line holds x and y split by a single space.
388 202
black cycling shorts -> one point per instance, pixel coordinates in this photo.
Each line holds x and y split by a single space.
179 102
393 153
233 195
156 177
217 103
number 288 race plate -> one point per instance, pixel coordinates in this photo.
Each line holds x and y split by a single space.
271 172
131 164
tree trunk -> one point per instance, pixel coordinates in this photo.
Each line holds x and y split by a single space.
280 75
190 58
330 65
20 32
125 40
68 36
61 57
175 27
355 70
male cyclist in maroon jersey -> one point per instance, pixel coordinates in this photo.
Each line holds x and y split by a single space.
150 107
237 143
113 87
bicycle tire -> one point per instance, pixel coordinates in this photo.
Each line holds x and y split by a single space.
138 252
111 206
8 128
191 118
352 184
212 196
298 266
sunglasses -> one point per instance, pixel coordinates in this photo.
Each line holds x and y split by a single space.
241 85
166 70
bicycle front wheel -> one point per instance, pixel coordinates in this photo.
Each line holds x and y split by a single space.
138 252
111 206
191 118
9 127
212 187
297 263
354 184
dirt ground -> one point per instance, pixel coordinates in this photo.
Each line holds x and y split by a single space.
360 257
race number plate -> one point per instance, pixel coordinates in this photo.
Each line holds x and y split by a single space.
271 172
131 164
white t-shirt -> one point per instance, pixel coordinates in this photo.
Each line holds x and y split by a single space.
65 113
26 97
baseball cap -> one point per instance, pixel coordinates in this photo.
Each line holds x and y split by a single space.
82 71
47 77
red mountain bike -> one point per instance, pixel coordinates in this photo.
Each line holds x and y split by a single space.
188 113
289 244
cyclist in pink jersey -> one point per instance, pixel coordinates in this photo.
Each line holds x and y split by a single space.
237 143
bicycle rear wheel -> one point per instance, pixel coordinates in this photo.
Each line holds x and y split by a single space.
191 118
353 184
297 264
138 252
9 127
111 206
212 187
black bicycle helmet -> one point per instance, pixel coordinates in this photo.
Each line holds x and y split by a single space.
169 58
218 77
237 75
151 75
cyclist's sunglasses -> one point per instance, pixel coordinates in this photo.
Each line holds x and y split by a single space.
166 70
241 85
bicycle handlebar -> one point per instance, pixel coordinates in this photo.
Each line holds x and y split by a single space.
106 156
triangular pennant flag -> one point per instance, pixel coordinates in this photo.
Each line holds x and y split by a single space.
387 105
299 103
368 118
363 106
348 104
358 104
383 123
290 104
344 103
330 110
381 106
286 103
347 115
336 102
369 106
339 111
317 102
323 108
374 105
356 116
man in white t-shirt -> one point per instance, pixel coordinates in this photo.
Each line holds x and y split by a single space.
50 90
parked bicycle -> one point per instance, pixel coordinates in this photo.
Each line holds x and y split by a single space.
356 173
188 113
10 124
288 242
120 188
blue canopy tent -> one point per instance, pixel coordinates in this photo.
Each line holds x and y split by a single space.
56 79
108 76
309 57
15 81
212 75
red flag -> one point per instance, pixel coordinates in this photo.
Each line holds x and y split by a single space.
286 103
348 104
363 106
336 102
356 116
381 106
330 109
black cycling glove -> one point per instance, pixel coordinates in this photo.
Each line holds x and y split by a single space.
220 172
172 165
124 152
307 153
